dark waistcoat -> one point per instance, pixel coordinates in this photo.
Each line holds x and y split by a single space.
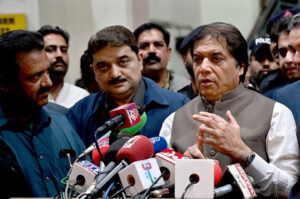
251 110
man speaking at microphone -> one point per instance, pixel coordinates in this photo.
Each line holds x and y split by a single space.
230 123
117 67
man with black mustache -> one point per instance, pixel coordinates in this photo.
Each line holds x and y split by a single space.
56 46
117 67
153 43
32 136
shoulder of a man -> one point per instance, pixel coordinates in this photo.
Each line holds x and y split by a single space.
86 105
288 90
63 127
163 95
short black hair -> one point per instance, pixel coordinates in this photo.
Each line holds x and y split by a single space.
281 25
148 26
235 41
48 29
12 43
115 36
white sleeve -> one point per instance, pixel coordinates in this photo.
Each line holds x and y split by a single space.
166 129
279 175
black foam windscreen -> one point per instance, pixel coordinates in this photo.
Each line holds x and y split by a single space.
115 135
111 153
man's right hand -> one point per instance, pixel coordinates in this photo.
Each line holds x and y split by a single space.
194 152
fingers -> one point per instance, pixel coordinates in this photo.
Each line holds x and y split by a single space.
231 119
199 140
209 119
194 152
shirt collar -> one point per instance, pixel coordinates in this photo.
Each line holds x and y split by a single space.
148 92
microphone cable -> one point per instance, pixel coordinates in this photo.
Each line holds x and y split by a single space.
105 196
145 195
194 178
154 183
97 147
121 190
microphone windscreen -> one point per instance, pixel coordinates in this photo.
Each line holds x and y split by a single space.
96 156
159 143
129 112
217 173
136 148
111 153
115 135
138 126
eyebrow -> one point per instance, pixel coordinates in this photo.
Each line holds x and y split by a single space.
53 45
213 53
217 53
124 56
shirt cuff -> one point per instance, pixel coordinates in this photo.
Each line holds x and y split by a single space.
258 169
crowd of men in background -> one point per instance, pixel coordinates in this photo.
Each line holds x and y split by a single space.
241 105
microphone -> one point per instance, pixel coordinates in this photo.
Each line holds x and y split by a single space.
82 175
166 161
159 143
103 146
91 147
135 128
140 176
115 135
235 183
123 117
118 119
195 178
136 148
110 159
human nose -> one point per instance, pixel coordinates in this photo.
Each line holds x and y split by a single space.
266 63
152 48
205 66
289 57
46 81
58 53
115 71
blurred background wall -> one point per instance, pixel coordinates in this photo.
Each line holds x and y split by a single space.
82 19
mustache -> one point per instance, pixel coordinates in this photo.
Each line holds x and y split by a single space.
151 56
115 81
59 60
43 90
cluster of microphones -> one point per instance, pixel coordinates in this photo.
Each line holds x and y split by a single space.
125 165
